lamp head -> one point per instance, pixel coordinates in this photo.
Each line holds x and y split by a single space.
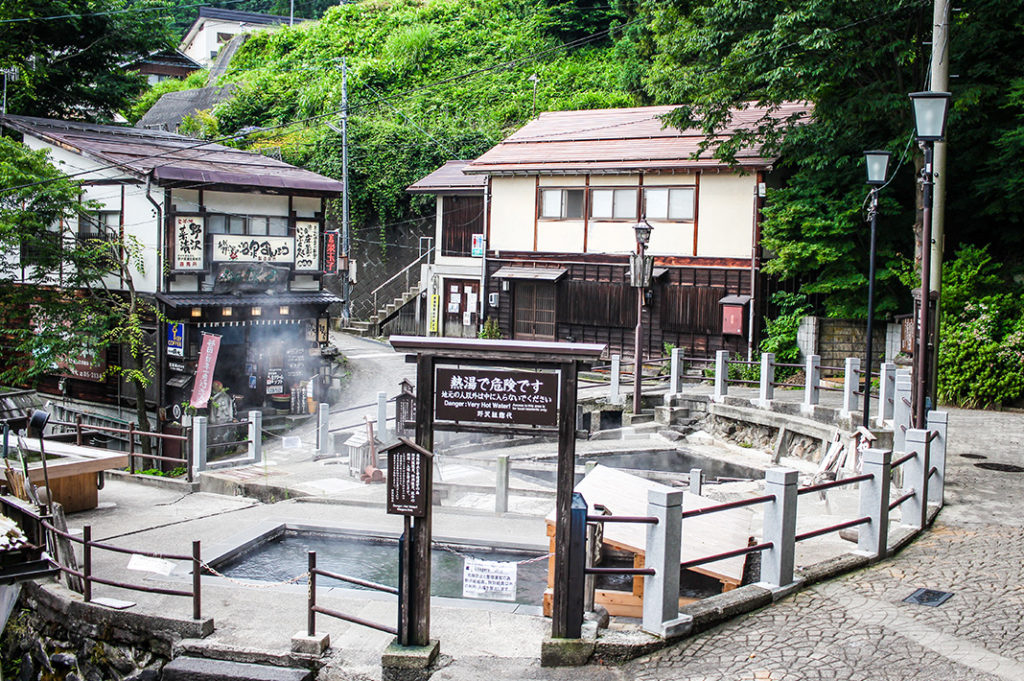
930 112
877 162
643 231
37 422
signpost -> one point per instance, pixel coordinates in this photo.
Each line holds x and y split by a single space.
499 387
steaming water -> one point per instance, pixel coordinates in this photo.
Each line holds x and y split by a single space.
375 560
669 461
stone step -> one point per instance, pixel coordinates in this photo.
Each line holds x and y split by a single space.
668 416
204 669
631 419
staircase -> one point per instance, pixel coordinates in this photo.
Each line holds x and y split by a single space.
371 327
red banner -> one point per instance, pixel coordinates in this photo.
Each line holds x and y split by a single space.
204 371
331 244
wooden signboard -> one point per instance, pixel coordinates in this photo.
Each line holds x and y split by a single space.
408 479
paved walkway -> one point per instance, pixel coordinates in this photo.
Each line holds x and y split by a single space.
858 628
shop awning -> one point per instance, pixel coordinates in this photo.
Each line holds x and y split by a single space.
734 300
179 381
183 300
531 273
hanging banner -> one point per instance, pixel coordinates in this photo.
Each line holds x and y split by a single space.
204 371
434 312
189 240
489 579
332 242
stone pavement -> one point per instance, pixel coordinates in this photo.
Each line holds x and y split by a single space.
858 628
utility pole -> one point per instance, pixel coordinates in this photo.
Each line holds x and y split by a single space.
346 241
9 74
939 83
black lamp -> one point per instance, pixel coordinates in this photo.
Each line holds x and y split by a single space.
930 112
877 166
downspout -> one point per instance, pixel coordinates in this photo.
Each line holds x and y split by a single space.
754 248
159 232
161 348
483 259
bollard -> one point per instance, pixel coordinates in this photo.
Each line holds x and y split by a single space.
915 476
886 392
696 481
199 443
851 381
812 380
577 566
779 527
323 422
501 486
873 536
256 435
382 416
661 590
721 374
614 396
937 422
590 581
676 372
766 393
901 411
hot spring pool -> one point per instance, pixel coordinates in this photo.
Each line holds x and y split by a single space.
283 555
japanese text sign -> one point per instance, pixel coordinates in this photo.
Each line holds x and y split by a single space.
408 468
307 245
189 240
496 396
204 371
331 245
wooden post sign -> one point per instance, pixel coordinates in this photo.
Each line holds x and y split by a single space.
408 479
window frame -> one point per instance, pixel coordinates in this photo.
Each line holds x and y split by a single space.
613 217
692 188
563 203
268 222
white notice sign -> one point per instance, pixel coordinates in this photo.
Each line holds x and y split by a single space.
489 579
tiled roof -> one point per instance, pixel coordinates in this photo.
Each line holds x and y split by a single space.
175 159
449 178
244 17
619 140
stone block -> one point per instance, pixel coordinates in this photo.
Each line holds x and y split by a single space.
409 663
565 652
314 645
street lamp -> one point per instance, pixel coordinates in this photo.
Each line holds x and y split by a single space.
36 424
641 275
878 165
930 113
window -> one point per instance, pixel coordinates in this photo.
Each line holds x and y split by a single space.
558 204
613 204
102 224
462 217
670 203
254 225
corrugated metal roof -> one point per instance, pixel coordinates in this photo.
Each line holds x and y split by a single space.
536 273
245 17
178 300
172 107
175 159
449 178
618 140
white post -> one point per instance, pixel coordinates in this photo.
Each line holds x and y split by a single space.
812 380
382 417
873 537
767 390
614 396
199 443
937 422
779 527
696 481
901 411
915 477
676 372
256 435
501 486
661 590
323 436
851 381
886 392
721 374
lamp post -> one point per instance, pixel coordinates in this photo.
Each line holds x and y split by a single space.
930 113
36 424
641 276
878 165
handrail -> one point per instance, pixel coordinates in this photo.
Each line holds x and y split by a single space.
312 608
899 500
832 528
618 571
647 519
404 271
726 554
834 483
902 460
358 582
728 506
124 431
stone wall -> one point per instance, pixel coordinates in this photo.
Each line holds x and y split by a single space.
836 339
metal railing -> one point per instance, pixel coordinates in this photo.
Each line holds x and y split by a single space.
83 430
386 292
312 609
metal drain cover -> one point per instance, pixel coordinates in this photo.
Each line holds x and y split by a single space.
929 597
973 456
1001 467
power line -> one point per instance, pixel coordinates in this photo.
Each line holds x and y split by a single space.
127 10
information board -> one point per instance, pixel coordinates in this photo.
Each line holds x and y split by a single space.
489 579
496 396
408 466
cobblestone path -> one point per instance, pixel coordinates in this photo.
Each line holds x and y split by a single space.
857 628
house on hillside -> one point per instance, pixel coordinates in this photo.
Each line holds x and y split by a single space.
162 65
559 200
215 27
233 246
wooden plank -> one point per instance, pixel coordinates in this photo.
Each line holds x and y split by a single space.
62 468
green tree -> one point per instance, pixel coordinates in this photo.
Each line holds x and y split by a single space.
57 296
856 61
73 65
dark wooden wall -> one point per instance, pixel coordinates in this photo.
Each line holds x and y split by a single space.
596 304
